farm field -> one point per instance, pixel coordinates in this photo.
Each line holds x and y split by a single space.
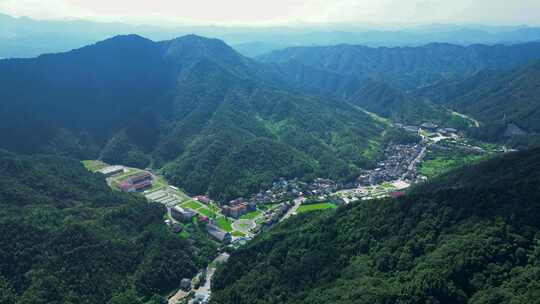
251 215
439 163
224 223
315 207
192 205
207 212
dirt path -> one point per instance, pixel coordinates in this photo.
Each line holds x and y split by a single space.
474 121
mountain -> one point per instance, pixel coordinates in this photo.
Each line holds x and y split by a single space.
213 120
401 67
66 237
254 49
386 81
506 102
470 236
399 106
27 37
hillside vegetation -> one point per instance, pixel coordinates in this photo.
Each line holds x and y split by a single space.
495 98
65 237
401 107
470 236
215 121
401 67
386 80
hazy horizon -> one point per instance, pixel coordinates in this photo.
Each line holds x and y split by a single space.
384 14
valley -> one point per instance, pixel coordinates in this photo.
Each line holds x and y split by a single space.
176 171
232 225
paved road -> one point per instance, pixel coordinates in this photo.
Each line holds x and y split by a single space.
205 289
475 122
417 160
292 210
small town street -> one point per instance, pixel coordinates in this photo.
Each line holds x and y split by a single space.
204 290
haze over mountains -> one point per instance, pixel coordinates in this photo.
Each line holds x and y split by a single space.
26 37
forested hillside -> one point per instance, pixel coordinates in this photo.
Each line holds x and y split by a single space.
496 98
471 236
66 237
386 80
215 120
401 67
399 106
219 123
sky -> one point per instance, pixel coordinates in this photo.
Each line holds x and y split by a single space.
282 12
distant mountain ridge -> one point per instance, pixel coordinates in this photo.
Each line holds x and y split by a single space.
399 106
214 120
386 80
403 67
26 37
496 98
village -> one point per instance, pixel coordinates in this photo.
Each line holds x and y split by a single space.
234 223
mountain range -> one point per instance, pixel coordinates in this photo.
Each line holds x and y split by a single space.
214 120
27 37
496 85
217 122
402 67
496 98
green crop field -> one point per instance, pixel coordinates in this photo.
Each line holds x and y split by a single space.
206 212
192 205
238 233
314 207
441 162
224 223
251 215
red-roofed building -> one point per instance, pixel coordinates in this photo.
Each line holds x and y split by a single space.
235 211
139 182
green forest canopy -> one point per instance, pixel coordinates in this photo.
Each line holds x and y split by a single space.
471 236
66 237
